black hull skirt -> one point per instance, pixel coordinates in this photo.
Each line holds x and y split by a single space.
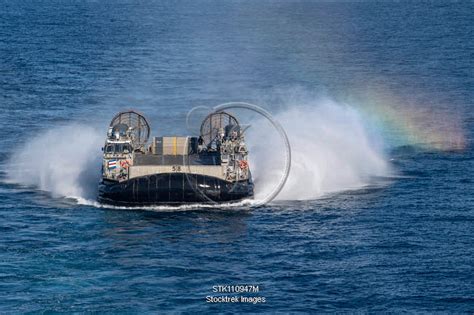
173 188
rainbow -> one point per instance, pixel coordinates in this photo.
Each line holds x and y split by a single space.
411 123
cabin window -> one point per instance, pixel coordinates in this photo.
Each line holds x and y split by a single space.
122 148
118 148
109 149
127 148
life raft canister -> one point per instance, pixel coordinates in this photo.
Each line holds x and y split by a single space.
243 164
125 164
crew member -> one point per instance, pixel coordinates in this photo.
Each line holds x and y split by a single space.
200 144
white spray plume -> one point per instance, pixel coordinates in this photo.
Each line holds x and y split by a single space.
64 161
331 151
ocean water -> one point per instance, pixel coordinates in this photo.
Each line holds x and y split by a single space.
376 98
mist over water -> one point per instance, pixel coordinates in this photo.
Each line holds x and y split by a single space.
331 148
331 152
64 161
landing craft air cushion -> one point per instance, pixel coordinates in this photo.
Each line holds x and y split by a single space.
212 167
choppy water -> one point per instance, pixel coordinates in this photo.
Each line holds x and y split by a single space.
378 214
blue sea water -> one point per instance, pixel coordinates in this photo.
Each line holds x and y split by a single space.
404 244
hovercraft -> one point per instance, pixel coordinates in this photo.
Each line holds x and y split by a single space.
209 168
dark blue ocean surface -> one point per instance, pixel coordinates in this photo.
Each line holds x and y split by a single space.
379 89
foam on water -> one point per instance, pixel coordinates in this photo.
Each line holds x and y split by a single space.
247 203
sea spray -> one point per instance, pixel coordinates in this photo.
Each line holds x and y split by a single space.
331 147
331 151
64 161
